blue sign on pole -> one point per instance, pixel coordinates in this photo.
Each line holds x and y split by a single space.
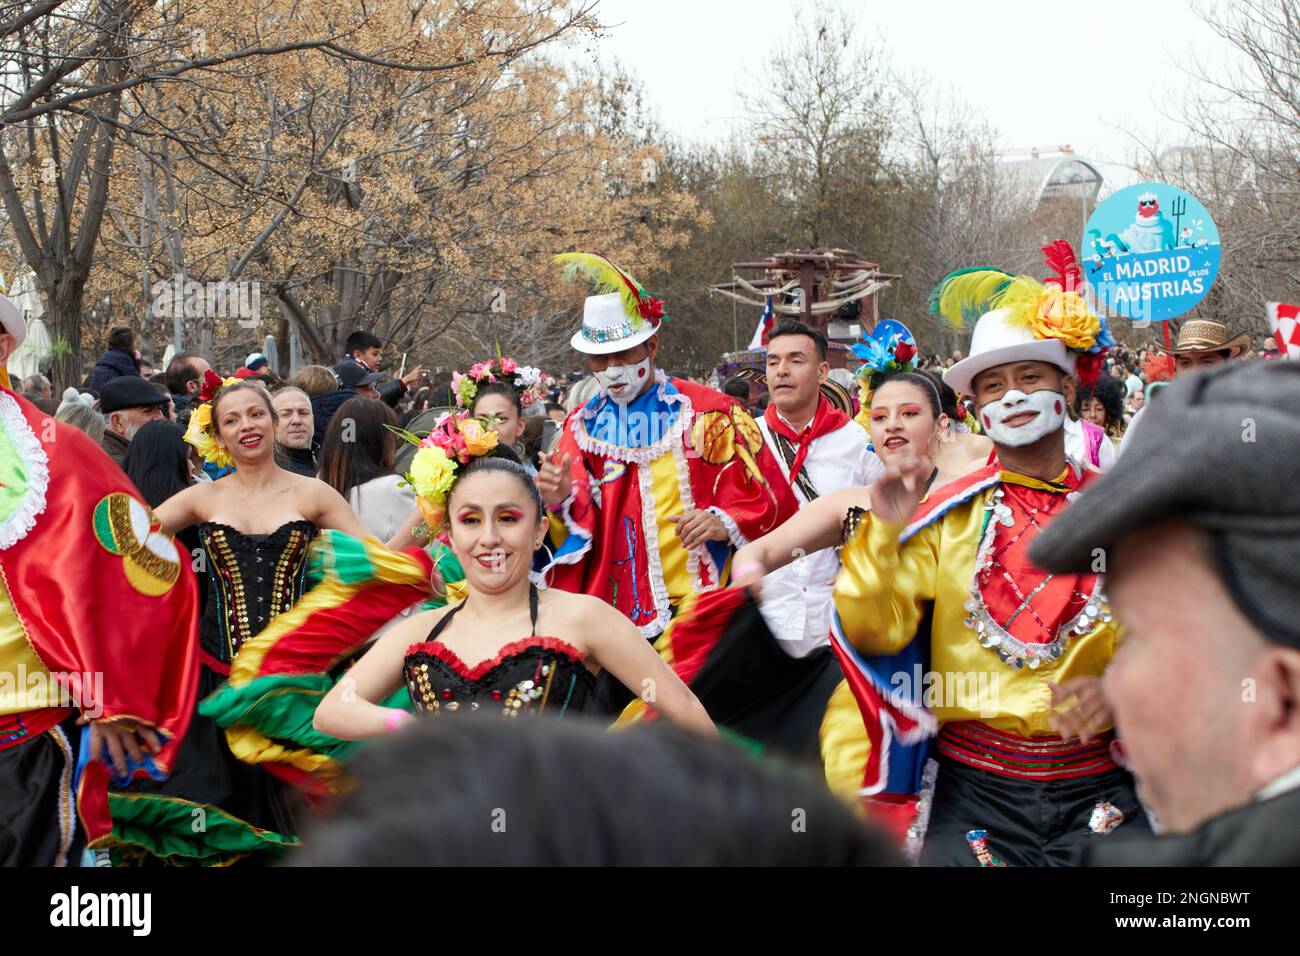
1150 252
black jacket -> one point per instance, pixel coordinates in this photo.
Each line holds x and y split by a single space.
112 364
301 461
323 408
391 393
1261 833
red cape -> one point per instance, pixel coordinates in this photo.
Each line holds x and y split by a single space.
726 466
94 599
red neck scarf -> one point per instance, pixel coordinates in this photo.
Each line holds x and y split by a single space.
825 420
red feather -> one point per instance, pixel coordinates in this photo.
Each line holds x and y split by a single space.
651 308
1088 367
1060 259
211 382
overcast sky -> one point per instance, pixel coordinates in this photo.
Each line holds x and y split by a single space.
1044 72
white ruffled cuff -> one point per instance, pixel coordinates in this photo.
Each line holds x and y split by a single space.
738 540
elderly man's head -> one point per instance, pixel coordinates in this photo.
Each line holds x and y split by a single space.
38 385
1207 707
129 403
1198 530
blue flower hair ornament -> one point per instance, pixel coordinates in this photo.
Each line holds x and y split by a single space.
886 349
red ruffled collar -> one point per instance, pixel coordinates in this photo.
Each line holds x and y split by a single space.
451 659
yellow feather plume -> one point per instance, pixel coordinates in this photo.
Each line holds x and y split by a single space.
964 296
1020 297
604 276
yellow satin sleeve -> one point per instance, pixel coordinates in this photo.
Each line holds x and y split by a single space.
881 595
25 684
844 743
882 589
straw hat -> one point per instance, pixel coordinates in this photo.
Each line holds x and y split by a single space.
1205 335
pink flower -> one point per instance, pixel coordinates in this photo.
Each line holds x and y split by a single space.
508 365
480 370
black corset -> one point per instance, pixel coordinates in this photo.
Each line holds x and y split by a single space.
252 578
532 676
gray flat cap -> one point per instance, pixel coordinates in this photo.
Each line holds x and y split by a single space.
1219 449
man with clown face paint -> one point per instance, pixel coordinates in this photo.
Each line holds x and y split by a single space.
1020 768
656 481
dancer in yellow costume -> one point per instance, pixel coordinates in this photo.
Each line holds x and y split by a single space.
956 628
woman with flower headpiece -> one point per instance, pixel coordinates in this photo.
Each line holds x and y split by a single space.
508 649
961 447
255 527
904 411
498 392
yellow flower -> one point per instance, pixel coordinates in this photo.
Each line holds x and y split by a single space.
199 434
1066 316
478 440
432 514
432 474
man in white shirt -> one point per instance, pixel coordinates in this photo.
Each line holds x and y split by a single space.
819 450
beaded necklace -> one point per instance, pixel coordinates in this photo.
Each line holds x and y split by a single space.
1012 651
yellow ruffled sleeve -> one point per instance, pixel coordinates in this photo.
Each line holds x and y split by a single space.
882 588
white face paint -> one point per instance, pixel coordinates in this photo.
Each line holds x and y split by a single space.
1049 407
623 383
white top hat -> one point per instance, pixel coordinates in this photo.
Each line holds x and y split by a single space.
607 328
12 319
997 342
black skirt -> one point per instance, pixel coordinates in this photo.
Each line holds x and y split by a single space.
38 817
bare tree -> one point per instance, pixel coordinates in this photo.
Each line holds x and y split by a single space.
819 120
1241 155
79 78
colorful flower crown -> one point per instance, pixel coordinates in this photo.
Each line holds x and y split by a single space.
1056 308
525 378
455 441
199 433
885 350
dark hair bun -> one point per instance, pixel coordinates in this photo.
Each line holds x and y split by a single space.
506 452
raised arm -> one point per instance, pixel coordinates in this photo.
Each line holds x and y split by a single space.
350 710
619 647
814 527
406 536
883 586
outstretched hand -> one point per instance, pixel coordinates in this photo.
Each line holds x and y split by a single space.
117 741
555 480
896 494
